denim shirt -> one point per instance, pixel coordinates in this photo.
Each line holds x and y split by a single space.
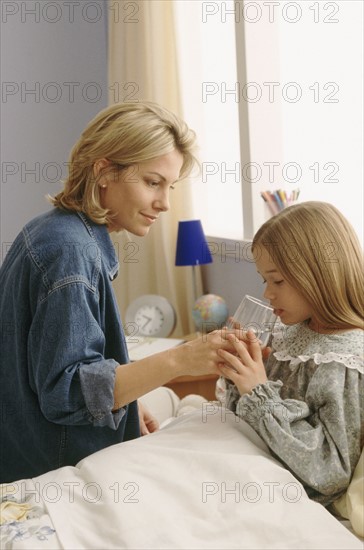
61 340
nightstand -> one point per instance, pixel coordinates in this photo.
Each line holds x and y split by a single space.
200 385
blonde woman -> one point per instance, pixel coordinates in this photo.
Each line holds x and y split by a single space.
307 403
67 386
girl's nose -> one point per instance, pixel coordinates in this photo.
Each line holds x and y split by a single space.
268 293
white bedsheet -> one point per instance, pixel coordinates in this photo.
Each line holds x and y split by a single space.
204 481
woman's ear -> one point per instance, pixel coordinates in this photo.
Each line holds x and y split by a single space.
98 167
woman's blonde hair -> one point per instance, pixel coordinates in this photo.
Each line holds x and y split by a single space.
317 251
125 134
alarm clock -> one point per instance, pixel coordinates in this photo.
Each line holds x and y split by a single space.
153 315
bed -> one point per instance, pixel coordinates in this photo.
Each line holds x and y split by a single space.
205 480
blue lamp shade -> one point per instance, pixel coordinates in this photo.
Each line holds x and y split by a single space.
192 248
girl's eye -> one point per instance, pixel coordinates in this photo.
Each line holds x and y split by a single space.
274 282
153 183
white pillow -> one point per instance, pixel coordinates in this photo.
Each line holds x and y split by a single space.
351 504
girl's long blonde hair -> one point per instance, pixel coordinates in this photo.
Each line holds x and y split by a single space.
317 251
124 134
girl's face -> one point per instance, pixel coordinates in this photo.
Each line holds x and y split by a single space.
139 193
288 304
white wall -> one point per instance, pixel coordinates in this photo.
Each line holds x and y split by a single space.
54 80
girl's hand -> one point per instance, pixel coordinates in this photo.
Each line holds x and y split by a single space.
245 369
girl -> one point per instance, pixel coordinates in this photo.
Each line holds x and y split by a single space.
308 403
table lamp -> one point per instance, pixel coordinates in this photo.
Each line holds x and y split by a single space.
192 248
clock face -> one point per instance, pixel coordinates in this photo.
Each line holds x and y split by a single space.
151 315
149 319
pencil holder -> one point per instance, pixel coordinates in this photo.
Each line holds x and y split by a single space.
278 200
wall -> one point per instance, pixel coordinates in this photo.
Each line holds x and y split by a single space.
54 80
232 273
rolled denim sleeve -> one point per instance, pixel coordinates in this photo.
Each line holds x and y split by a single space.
97 383
68 370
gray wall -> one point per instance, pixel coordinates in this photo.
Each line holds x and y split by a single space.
232 273
54 80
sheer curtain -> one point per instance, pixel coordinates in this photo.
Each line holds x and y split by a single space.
143 66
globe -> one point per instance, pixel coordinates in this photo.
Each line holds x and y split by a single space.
209 313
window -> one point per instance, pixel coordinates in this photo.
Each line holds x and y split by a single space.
288 77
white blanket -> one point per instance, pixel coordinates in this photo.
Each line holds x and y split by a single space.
204 481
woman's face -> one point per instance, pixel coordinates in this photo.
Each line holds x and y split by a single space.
139 193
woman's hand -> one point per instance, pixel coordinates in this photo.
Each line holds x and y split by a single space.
201 355
245 368
147 422
195 358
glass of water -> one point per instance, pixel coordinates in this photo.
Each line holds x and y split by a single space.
256 315
251 314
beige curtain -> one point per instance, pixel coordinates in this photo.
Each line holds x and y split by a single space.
143 65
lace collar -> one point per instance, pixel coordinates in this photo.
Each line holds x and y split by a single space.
299 344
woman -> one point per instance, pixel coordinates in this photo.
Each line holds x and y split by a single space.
68 388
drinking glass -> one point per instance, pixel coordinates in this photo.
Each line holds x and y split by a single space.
251 314
254 314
